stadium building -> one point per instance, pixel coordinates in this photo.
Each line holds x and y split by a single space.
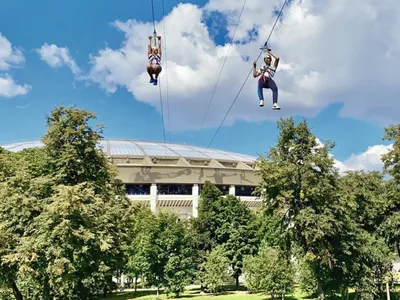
168 176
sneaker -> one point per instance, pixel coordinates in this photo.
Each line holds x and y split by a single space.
155 82
151 80
261 103
276 106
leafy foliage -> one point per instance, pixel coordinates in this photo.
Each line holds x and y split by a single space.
216 271
227 222
64 216
269 272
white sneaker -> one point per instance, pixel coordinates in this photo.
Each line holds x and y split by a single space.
276 106
261 103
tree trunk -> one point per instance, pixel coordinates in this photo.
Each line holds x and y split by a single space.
321 294
135 284
356 295
237 281
46 289
105 292
387 291
16 292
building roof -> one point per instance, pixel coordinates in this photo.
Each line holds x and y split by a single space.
118 148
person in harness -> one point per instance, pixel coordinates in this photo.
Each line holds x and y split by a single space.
265 81
154 55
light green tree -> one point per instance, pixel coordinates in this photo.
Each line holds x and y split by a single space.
216 269
269 271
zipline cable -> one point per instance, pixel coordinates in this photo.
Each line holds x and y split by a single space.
166 71
248 75
220 72
159 84
152 10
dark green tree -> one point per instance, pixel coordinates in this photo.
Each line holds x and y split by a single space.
298 183
225 221
390 228
74 245
236 232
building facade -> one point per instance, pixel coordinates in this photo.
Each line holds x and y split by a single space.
167 176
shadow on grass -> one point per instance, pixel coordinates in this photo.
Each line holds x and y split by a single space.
142 293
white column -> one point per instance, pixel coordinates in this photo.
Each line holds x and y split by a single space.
122 281
232 190
153 198
195 200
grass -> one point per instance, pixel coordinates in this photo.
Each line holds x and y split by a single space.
193 293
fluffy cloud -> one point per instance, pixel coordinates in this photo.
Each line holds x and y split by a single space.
10 57
370 160
338 51
9 88
57 57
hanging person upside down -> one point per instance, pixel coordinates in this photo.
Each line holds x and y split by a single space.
154 66
266 81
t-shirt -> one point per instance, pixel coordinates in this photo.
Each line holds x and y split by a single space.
154 59
267 71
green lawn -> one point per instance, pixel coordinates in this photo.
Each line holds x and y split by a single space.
193 293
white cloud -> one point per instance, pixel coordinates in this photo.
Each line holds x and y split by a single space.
335 51
9 88
10 57
57 57
370 160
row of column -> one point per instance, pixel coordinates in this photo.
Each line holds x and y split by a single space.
195 197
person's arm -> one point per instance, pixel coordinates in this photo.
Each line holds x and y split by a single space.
159 45
149 46
276 57
255 72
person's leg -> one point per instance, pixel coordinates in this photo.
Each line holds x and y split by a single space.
157 71
272 85
260 86
150 72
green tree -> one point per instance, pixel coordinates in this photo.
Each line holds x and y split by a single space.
77 217
177 246
236 231
216 269
269 271
228 222
20 194
162 250
298 182
141 251
390 228
306 277
205 225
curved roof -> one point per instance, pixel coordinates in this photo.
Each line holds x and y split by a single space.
115 148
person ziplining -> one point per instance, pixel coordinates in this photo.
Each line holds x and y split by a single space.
265 81
154 56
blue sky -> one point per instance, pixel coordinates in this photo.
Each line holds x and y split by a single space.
85 27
